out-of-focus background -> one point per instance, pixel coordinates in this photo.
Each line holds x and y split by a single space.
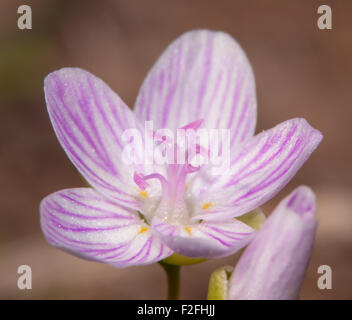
301 71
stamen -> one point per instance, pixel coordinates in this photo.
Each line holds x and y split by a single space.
143 193
172 205
143 229
207 205
189 230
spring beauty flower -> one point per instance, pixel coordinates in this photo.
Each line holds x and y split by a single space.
275 262
141 213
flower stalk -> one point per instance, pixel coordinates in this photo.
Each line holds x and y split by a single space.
173 280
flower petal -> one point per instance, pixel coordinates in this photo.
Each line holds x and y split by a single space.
204 240
274 263
201 75
260 169
89 119
86 224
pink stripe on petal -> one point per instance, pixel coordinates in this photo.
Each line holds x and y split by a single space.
89 120
206 239
274 264
204 74
88 225
262 168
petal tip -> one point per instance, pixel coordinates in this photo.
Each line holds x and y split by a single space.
316 135
302 201
63 73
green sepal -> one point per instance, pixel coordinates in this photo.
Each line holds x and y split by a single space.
218 283
254 219
179 260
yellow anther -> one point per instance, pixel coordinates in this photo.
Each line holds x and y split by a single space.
143 229
207 205
143 193
189 230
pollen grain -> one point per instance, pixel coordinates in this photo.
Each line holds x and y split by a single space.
207 205
143 193
142 229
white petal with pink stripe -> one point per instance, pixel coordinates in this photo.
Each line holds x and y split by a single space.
87 224
259 169
89 120
201 75
205 239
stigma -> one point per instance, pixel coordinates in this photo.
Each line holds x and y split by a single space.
171 206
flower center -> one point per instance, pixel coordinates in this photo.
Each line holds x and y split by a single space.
172 207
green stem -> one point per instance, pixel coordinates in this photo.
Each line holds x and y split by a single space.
173 280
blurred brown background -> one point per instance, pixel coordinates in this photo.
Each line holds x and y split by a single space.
301 71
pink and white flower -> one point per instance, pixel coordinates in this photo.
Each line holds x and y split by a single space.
140 214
